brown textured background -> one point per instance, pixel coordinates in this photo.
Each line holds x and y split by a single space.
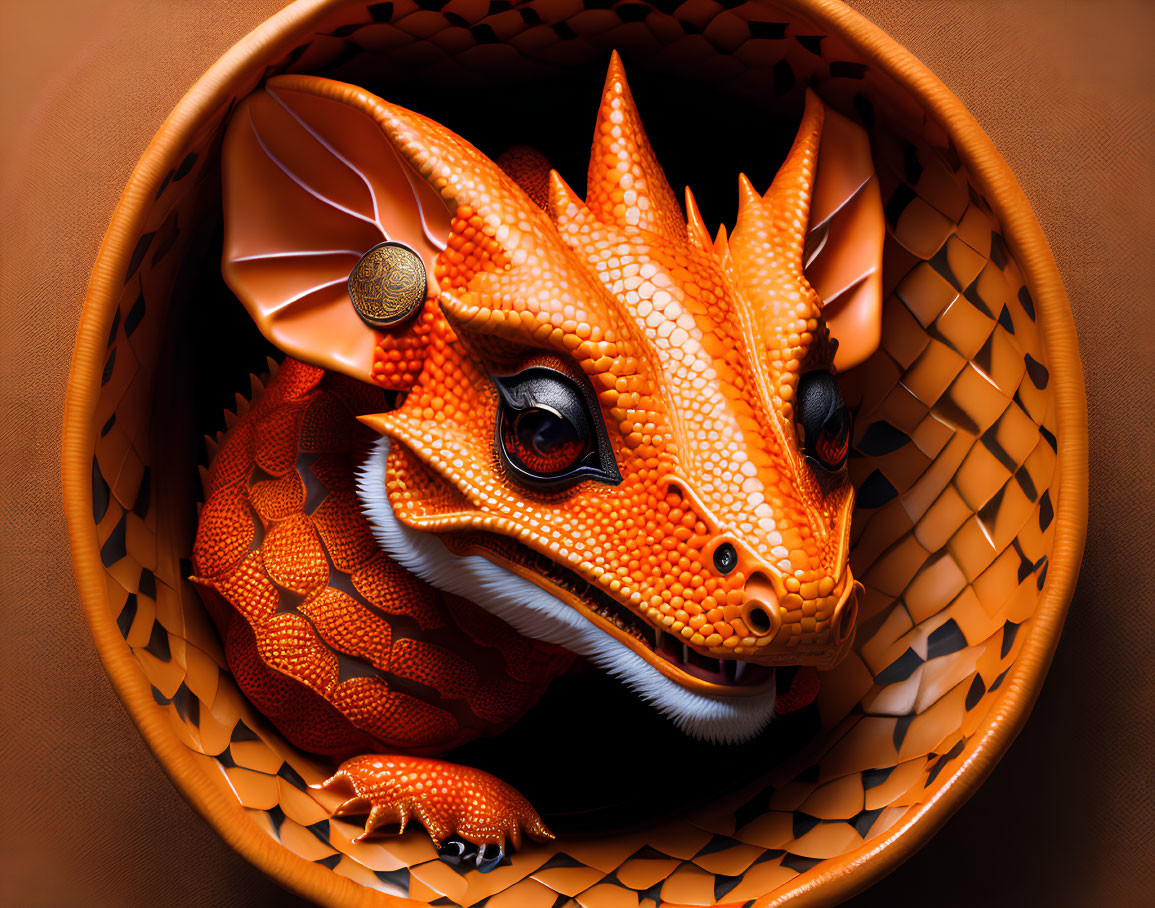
1066 88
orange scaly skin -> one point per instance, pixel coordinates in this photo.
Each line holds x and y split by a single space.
692 351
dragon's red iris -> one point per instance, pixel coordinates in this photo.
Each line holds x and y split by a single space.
542 441
833 446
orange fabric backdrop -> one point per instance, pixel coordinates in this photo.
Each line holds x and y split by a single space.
1064 89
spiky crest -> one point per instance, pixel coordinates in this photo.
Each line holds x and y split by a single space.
626 185
766 247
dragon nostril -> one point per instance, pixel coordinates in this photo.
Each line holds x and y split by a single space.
845 619
758 617
725 558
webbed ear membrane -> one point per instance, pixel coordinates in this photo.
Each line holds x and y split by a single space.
842 258
313 192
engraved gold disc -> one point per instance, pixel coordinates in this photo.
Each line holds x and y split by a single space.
387 285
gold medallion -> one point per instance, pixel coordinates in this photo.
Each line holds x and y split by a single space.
387 285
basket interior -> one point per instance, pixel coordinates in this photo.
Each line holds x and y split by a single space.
954 461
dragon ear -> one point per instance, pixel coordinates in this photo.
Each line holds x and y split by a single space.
311 183
842 257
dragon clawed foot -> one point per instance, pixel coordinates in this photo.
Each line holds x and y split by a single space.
472 817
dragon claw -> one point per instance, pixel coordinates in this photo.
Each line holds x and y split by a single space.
473 818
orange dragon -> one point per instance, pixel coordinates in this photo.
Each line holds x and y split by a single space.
601 435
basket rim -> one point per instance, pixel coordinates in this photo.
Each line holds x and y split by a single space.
831 881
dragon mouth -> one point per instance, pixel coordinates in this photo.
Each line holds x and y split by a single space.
666 652
729 672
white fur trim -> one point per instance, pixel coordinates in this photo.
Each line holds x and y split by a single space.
533 612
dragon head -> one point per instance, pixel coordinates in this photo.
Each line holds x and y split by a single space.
617 434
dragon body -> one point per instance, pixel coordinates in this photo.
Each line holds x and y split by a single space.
604 437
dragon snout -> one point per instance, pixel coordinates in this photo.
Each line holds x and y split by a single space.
787 620
762 610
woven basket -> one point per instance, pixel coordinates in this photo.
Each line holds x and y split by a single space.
970 460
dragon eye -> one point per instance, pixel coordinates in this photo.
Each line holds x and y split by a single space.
549 433
543 441
824 419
